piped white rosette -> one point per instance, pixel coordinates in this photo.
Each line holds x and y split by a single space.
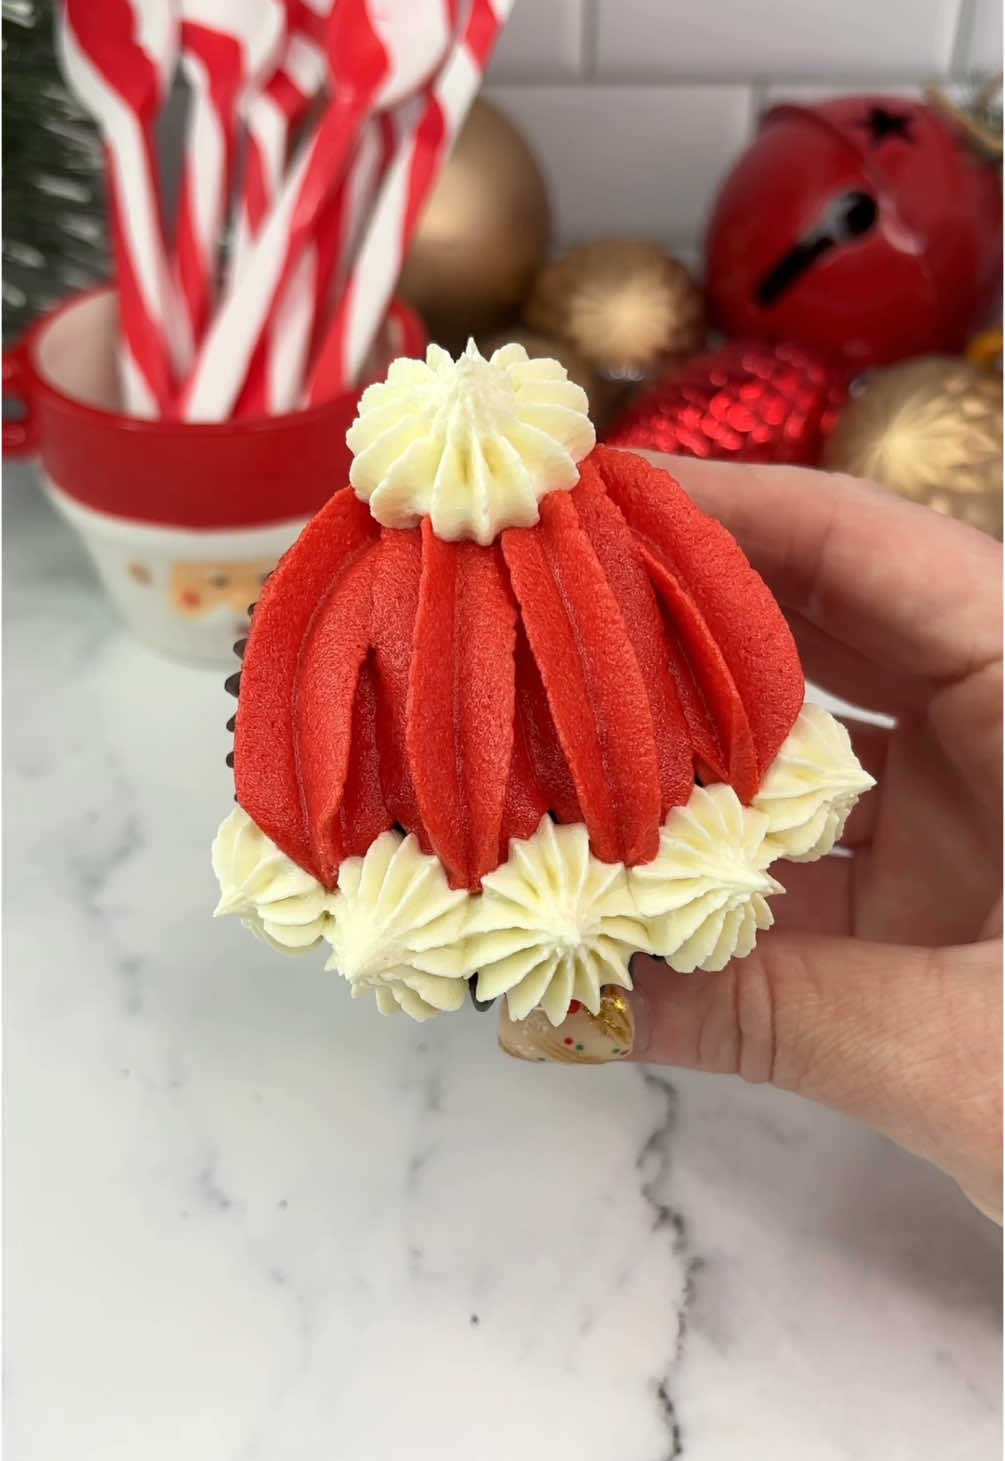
810 788
271 894
704 895
398 929
553 923
472 444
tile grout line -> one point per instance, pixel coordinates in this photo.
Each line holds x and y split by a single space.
758 102
965 21
619 82
588 27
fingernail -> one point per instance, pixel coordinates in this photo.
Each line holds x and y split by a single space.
581 1039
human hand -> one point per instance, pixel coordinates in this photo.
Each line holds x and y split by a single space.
878 993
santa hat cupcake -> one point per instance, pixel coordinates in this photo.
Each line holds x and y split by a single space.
512 709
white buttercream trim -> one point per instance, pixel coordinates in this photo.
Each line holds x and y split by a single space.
810 788
704 895
273 896
397 927
553 923
472 444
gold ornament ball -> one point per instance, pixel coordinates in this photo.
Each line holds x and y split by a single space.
931 429
484 233
629 307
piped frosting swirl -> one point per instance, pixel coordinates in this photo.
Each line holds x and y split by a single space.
553 924
473 444
810 788
704 895
397 927
275 898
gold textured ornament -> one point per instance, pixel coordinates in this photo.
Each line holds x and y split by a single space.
930 428
483 235
627 306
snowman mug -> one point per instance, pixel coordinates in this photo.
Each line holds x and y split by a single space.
182 520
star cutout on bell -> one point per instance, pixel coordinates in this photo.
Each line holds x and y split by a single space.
882 124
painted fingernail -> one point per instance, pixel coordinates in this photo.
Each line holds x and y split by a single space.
581 1039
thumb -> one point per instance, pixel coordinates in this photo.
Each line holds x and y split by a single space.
907 1040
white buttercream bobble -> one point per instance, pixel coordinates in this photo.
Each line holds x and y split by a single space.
397 928
271 894
704 895
810 788
552 924
473 444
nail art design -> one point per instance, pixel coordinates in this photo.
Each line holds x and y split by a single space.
581 1039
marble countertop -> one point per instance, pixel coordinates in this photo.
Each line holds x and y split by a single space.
248 1219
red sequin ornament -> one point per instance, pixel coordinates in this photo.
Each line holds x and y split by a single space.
744 403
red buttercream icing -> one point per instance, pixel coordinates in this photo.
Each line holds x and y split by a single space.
590 666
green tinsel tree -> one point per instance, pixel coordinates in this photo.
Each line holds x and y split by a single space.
54 212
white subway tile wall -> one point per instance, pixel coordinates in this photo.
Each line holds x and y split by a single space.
730 39
543 40
637 160
636 108
983 45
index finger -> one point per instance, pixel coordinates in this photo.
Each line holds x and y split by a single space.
906 587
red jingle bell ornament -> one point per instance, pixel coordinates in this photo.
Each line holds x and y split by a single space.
753 402
866 227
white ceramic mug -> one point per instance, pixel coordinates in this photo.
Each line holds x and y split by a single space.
182 520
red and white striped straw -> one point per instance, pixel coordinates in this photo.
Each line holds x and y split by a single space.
273 115
429 128
229 48
271 121
340 235
388 48
276 376
121 74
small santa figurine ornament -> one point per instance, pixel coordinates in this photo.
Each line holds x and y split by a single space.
512 709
